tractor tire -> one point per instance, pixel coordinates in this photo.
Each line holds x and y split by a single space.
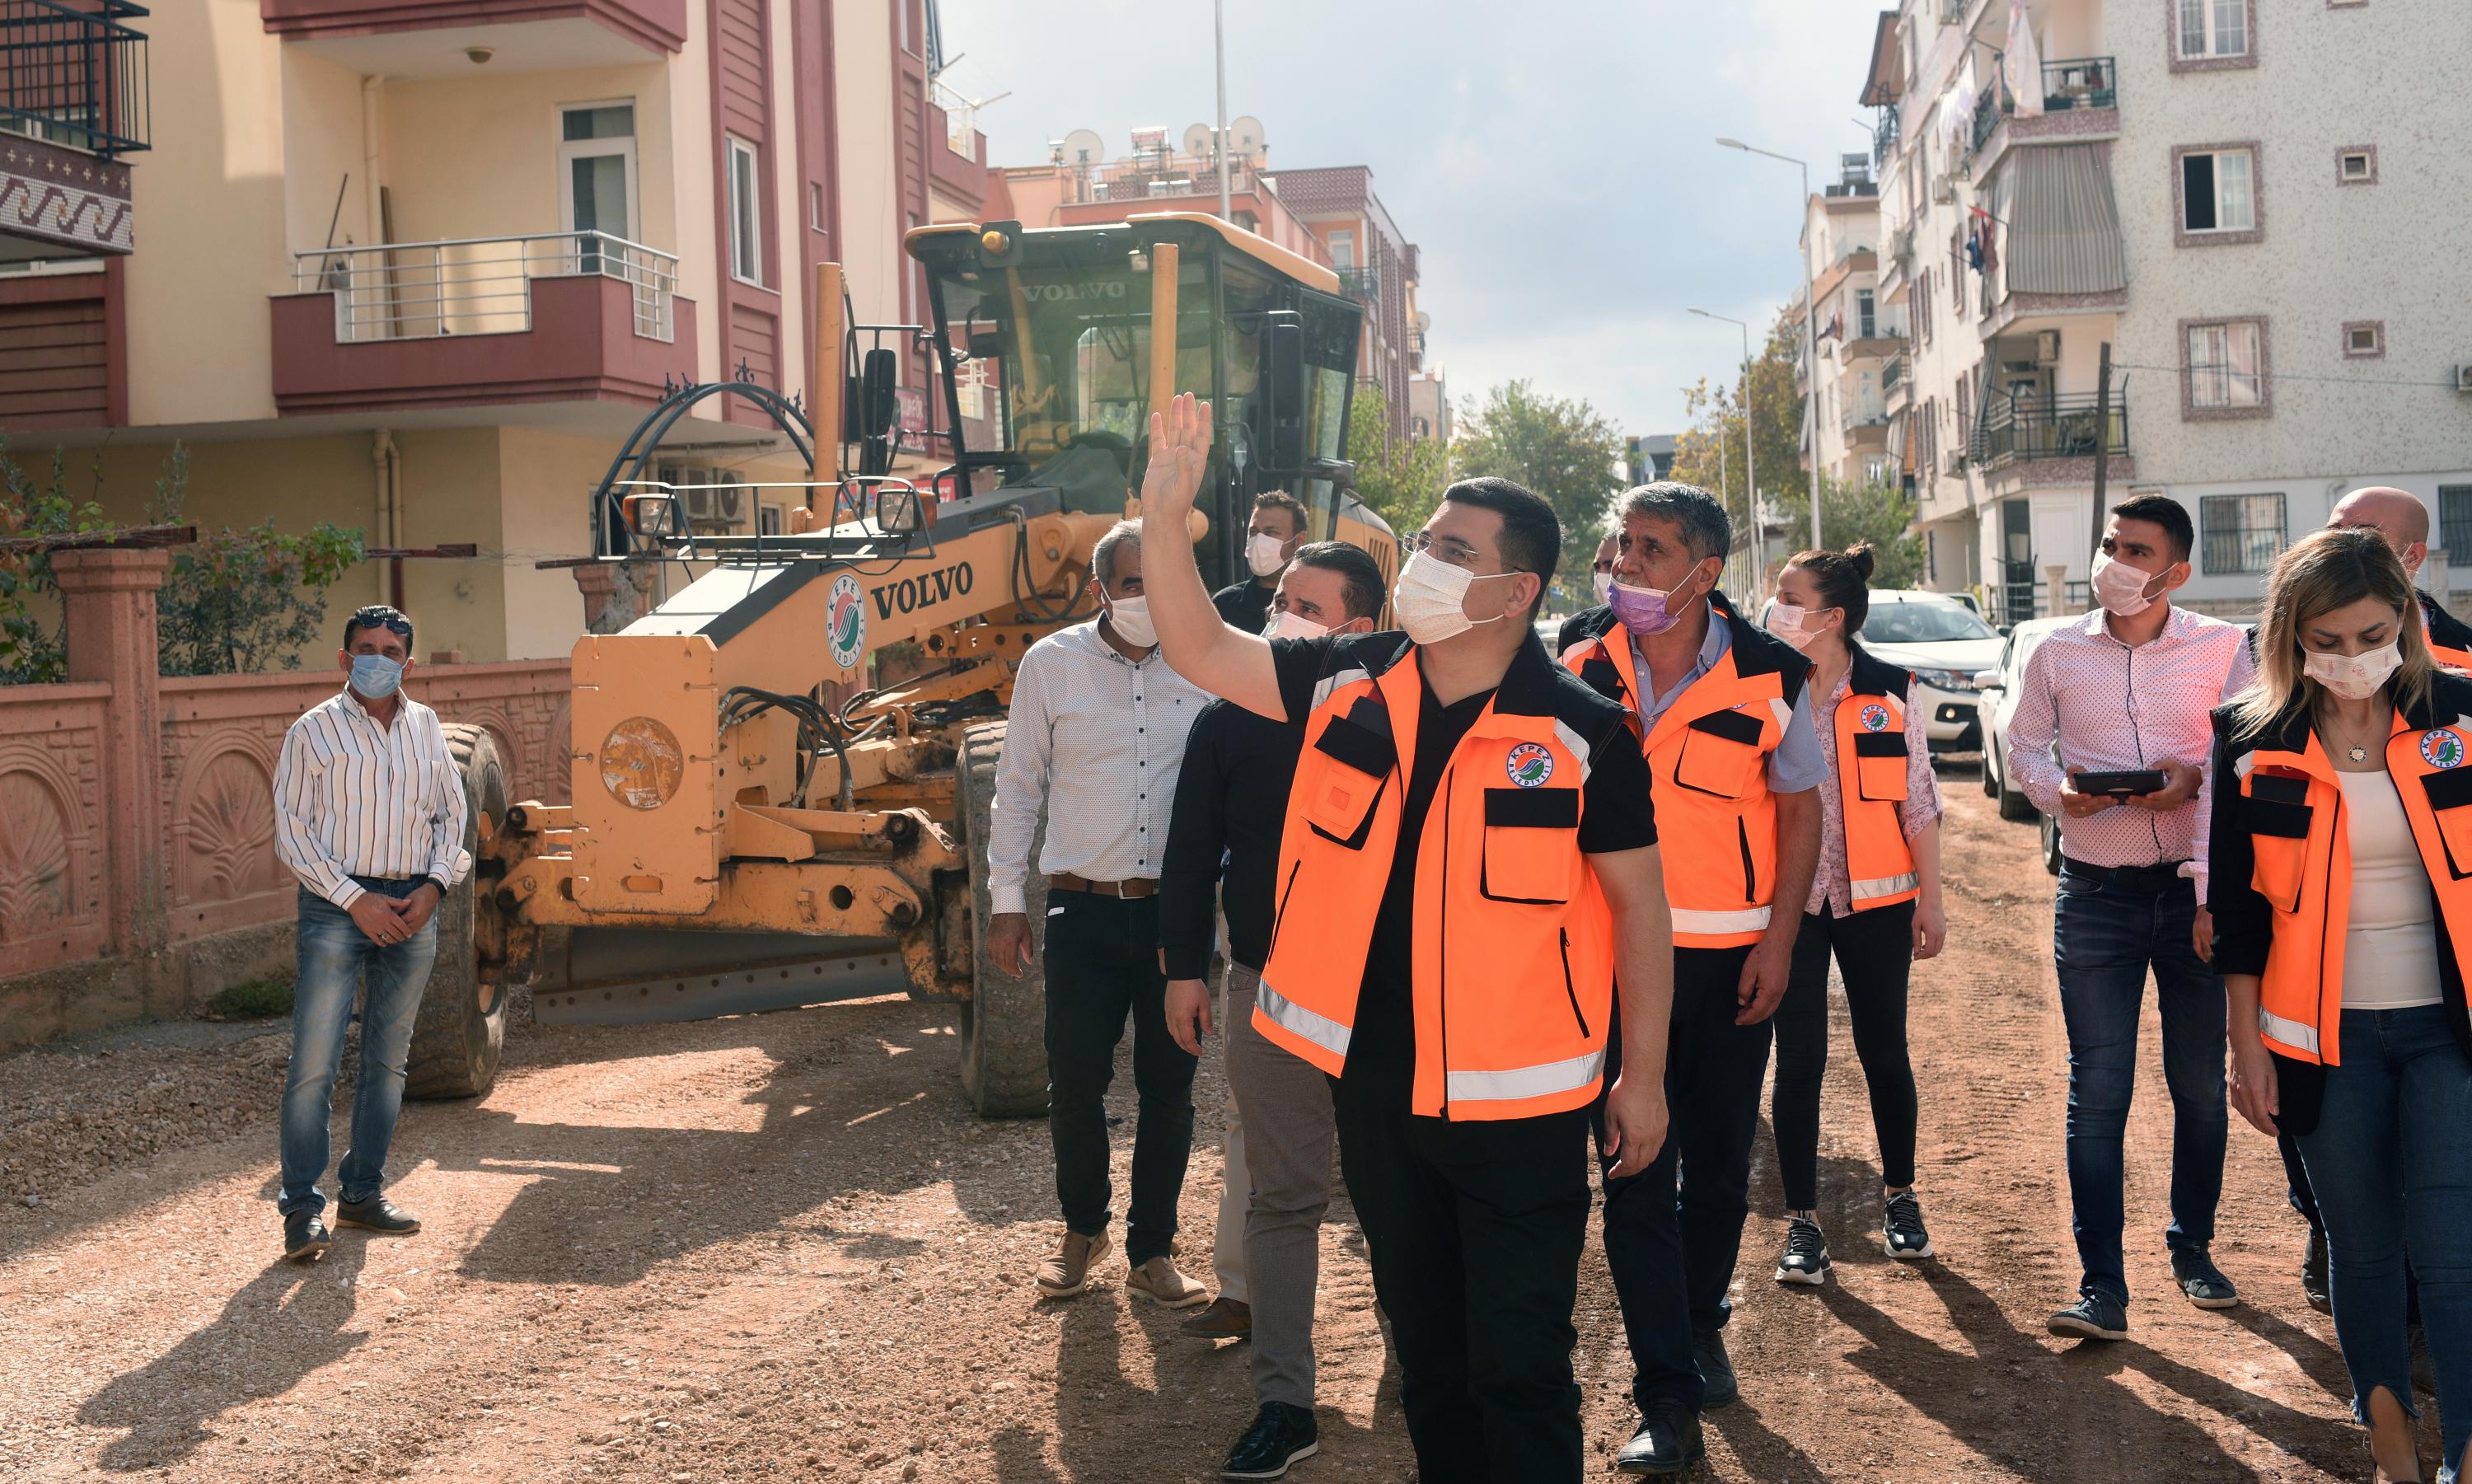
461 1026
1004 1022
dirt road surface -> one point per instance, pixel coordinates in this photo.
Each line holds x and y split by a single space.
780 1247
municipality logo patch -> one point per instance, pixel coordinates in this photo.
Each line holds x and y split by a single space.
845 622
1528 764
1875 717
2443 748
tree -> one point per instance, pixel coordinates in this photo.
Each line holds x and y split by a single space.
240 602
1400 479
1559 449
30 651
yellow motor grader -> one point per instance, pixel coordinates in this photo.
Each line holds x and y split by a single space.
761 821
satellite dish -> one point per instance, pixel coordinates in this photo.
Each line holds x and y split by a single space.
1084 147
1245 137
1197 139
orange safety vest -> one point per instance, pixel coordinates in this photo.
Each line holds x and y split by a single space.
1513 963
1872 782
2293 808
1709 752
2450 638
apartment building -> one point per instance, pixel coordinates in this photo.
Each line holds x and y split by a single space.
1859 338
2246 201
421 269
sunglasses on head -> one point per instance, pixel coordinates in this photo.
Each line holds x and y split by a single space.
386 619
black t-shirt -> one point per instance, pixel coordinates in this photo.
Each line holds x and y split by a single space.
1245 605
1616 814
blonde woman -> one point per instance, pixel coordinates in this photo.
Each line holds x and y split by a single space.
2341 855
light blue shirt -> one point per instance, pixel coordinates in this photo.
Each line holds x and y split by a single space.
1796 764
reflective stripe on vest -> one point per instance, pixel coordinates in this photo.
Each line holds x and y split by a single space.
1870 751
1305 1025
1888 888
2298 1035
1526 1081
1754 921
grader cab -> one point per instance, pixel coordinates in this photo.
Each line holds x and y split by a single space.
758 822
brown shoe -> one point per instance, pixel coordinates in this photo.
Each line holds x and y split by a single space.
1225 1319
1158 1279
1068 1272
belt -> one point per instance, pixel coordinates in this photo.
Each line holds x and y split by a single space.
1137 887
2153 880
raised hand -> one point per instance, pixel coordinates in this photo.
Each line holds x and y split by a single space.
1180 449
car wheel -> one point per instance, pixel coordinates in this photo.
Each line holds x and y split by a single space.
2050 845
2015 805
1990 771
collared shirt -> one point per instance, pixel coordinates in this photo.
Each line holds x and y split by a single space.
355 798
1097 740
1831 885
2112 708
1798 761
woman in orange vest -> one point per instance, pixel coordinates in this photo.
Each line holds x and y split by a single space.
1875 901
2341 894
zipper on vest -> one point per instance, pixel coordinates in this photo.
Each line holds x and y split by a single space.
1441 944
2326 928
1568 988
1751 876
1281 915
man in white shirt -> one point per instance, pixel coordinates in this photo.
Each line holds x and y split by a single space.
368 812
1097 736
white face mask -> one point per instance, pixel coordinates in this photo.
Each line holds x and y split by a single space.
1431 598
1265 553
1603 584
2121 587
1791 623
1292 625
2353 677
1131 618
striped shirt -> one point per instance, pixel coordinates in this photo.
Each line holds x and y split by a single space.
355 798
1099 741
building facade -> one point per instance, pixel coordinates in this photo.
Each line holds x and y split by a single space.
421 269
2197 184
1858 338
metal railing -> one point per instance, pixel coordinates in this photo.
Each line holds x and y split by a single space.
2046 428
1893 375
477 285
1990 105
1883 137
1142 179
75 75
1864 415
1359 283
2080 83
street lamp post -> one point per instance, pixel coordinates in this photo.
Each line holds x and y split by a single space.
1219 45
1809 337
1751 462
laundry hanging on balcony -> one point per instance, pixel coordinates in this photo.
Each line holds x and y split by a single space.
1982 241
2021 63
2063 222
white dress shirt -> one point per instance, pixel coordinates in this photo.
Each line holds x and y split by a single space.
1098 740
355 798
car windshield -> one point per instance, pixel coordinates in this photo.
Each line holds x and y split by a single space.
1923 623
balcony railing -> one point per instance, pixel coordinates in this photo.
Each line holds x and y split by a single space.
75 75
1359 283
2080 83
2047 427
1884 138
1990 106
1893 375
477 285
1864 417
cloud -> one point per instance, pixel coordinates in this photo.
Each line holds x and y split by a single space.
1554 159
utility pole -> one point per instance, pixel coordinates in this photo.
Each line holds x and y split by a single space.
1219 43
1810 336
2101 441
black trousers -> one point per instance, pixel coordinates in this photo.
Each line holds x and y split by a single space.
1102 961
1673 1231
1875 954
1474 1232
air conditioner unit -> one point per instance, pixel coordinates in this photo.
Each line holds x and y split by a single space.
2047 346
730 501
1945 190
2021 368
2463 378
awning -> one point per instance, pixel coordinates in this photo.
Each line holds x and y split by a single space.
2063 225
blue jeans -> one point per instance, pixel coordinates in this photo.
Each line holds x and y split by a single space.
334 956
2390 1161
2105 938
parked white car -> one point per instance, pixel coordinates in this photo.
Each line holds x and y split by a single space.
1997 689
1945 644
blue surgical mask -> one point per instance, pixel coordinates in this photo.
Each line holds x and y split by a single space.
375 676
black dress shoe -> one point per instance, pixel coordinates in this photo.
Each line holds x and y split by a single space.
377 1213
1668 1442
305 1237
1281 1436
1716 1368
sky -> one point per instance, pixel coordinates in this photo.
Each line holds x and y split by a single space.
1555 161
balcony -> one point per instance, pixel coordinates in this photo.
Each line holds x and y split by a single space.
75 88
1866 428
475 322
1360 283
2038 441
1896 382
2081 103
1878 341
415 39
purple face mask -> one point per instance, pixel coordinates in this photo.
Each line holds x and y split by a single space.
1644 611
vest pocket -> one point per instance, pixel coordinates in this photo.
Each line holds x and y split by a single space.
1880 766
1532 845
1720 750
2279 839
1356 767
2449 803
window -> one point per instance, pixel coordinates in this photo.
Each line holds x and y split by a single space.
746 215
2217 192
2454 521
2225 375
1343 250
768 520
814 207
596 166
2212 30
1865 315
2356 164
2365 340
2241 534
908 24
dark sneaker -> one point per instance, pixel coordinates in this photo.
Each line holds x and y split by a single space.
2093 1317
377 1213
1902 1227
1716 1369
305 1237
2313 1273
2201 1280
1281 1436
1225 1319
1668 1442
1806 1252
